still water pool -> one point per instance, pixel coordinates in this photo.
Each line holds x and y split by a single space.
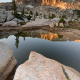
50 45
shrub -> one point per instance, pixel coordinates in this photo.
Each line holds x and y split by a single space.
61 20
22 23
78 12
44 16
29 17
22 12
64 16
17 15
51 17
36 13
31 12
26 12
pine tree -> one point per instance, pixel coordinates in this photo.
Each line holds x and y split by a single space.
14 5
22 12
31 12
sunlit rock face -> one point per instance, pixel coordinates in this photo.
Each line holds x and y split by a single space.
30 2
61 4
64 4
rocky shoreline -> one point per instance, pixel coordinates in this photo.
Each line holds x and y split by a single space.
9 66
21 28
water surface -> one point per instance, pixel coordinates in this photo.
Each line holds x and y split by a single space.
50 45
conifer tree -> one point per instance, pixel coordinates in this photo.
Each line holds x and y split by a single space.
22 12
14 5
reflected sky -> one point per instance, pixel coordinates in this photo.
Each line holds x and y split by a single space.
66 52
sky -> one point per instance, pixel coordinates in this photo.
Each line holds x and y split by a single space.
5 0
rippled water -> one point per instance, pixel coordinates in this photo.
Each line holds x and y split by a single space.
51 45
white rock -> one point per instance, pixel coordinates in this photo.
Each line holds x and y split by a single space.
61 24
56 24
51 25
10 17
73 19
39 67
19 25
38 22
7 61
10 23
17 20
47 22
66 20
25 19
29 6
5 55
2 17
56 19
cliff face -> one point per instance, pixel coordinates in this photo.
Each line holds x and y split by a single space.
39 2
64 4
30 2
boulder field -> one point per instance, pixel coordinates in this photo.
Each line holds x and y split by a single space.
7 61
39 67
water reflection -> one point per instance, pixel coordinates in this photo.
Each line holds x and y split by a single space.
48 36
58 47
77 40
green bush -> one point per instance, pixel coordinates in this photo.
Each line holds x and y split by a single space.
78 12
53 16
36 13
29 17
64 16
17 15
61 20
31 12
22 23
44 16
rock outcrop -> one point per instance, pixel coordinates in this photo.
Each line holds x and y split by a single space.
39 67
7 61
10 23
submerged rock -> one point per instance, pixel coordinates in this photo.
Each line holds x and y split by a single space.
7 61
39 67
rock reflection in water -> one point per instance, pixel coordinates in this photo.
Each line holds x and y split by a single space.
77 40
49 36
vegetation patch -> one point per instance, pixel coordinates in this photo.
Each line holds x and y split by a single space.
61 20
22 23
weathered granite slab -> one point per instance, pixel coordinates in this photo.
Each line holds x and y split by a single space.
39 67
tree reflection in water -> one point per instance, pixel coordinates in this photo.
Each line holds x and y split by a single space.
17 41
33 34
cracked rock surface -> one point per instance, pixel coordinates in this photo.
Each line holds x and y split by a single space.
39 67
